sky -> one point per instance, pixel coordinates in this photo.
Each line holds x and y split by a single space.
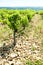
21 3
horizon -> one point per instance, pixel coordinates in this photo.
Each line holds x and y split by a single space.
23 6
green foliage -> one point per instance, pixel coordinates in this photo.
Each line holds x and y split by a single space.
28 13
24 21
36 62
29 62
40 12
16 19
33 48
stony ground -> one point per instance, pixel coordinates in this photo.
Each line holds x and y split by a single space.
28 46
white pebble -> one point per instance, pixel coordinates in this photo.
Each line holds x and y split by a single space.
13 55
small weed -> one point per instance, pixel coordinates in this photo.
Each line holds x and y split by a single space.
29 62
33 48
36 62
42 43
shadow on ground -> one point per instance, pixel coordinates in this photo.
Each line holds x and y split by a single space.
5 49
